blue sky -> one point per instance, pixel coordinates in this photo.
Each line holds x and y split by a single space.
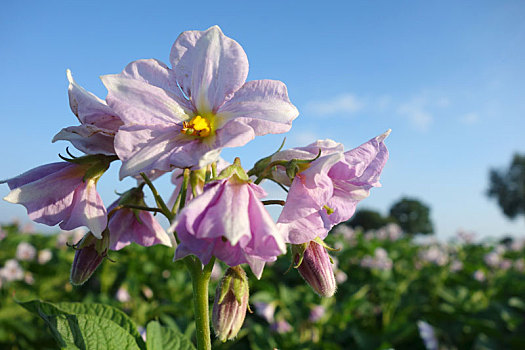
447 77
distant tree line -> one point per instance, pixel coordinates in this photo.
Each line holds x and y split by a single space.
507 186
412 215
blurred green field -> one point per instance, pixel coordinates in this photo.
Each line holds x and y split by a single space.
472 294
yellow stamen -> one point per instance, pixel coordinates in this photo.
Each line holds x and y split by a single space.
329 210
197 126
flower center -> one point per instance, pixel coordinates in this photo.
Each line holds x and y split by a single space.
197 126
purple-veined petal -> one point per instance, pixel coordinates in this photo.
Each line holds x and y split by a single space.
87 209
88 138
138 102
230 211
263 105
145 148
368 160
209 67
156 73
310 190
124 228
90 109
48 198
36 174
304 229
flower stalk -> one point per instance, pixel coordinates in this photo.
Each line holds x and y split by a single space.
200 277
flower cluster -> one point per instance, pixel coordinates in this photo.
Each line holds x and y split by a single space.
160 118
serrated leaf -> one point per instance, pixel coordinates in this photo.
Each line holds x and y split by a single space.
163 338
89 332
49 311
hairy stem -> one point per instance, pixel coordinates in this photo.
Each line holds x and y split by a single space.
200 278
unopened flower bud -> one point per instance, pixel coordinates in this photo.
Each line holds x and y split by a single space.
316 269
231 303
89 253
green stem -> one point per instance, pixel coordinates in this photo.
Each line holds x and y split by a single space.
158 199
184 188
200 278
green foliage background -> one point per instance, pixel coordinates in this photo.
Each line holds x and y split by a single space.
373 309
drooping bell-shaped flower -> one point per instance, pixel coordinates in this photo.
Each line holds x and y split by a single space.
89 254
128 225
98 123
63 193
183 117
315 267
229 221
325 191
231 303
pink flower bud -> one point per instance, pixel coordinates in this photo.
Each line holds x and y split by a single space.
316 269
231 302
89 254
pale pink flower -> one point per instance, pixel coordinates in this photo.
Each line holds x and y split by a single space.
130 225
12 271
122 295
327 191
59 193
316 313
479 276
98 123
265 310
25 252
229 221
183 117
44 256
281 327
28 278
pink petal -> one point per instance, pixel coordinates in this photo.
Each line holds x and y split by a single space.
145 148
263 105
138 102
90 109
87 209
156 73
124 228
209 67
88 138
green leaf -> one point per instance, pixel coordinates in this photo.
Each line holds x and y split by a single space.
163 338
76 325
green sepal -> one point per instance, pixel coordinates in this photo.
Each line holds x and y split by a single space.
234 280
327 247
297 255
235 172
261 166
295 166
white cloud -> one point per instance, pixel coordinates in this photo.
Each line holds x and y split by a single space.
342 104
416 111
469 118
304 137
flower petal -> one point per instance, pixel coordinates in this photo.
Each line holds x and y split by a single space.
263 105
311 189
47 198
124 228
145 148
90 109
304 229
87 209
88 138
156 73
209 67
138 102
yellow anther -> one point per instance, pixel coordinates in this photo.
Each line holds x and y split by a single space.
329 210
197 126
